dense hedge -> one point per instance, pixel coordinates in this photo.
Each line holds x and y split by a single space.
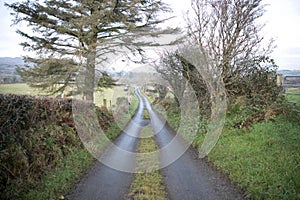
35 134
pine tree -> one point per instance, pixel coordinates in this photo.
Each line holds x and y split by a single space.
53 76
106 81
86 32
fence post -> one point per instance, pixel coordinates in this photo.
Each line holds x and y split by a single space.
279 80
104 103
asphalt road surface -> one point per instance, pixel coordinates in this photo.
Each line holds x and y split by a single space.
187 178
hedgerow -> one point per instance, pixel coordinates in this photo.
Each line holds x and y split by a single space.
36 133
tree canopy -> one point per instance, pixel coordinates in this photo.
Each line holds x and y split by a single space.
87 31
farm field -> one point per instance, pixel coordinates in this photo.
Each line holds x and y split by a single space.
18 88
293 95
110 95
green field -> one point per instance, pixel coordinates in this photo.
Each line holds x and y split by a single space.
293 95
18 88
110 95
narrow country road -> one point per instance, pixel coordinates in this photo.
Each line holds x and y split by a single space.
188 178
103 182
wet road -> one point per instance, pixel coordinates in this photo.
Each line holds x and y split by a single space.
103 182
186 176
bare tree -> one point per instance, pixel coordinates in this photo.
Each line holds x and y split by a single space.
224 42
179 72
171 70
226 35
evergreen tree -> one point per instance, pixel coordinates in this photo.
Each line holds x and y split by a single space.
52 75
105 81
83 30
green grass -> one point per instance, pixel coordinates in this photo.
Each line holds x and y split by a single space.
173 117
110 95
148 184
146 114
18 88
294 96
265 161
151 96
116 128
62 178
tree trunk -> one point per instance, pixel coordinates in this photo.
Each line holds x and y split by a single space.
177 103
90 76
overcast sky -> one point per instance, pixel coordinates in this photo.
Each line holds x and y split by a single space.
282 23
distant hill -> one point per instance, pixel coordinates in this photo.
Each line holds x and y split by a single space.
8 73
10 60
8 65
289 72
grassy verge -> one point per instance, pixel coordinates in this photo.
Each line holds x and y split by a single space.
115 128
264 160
149 184
173 117
61 179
